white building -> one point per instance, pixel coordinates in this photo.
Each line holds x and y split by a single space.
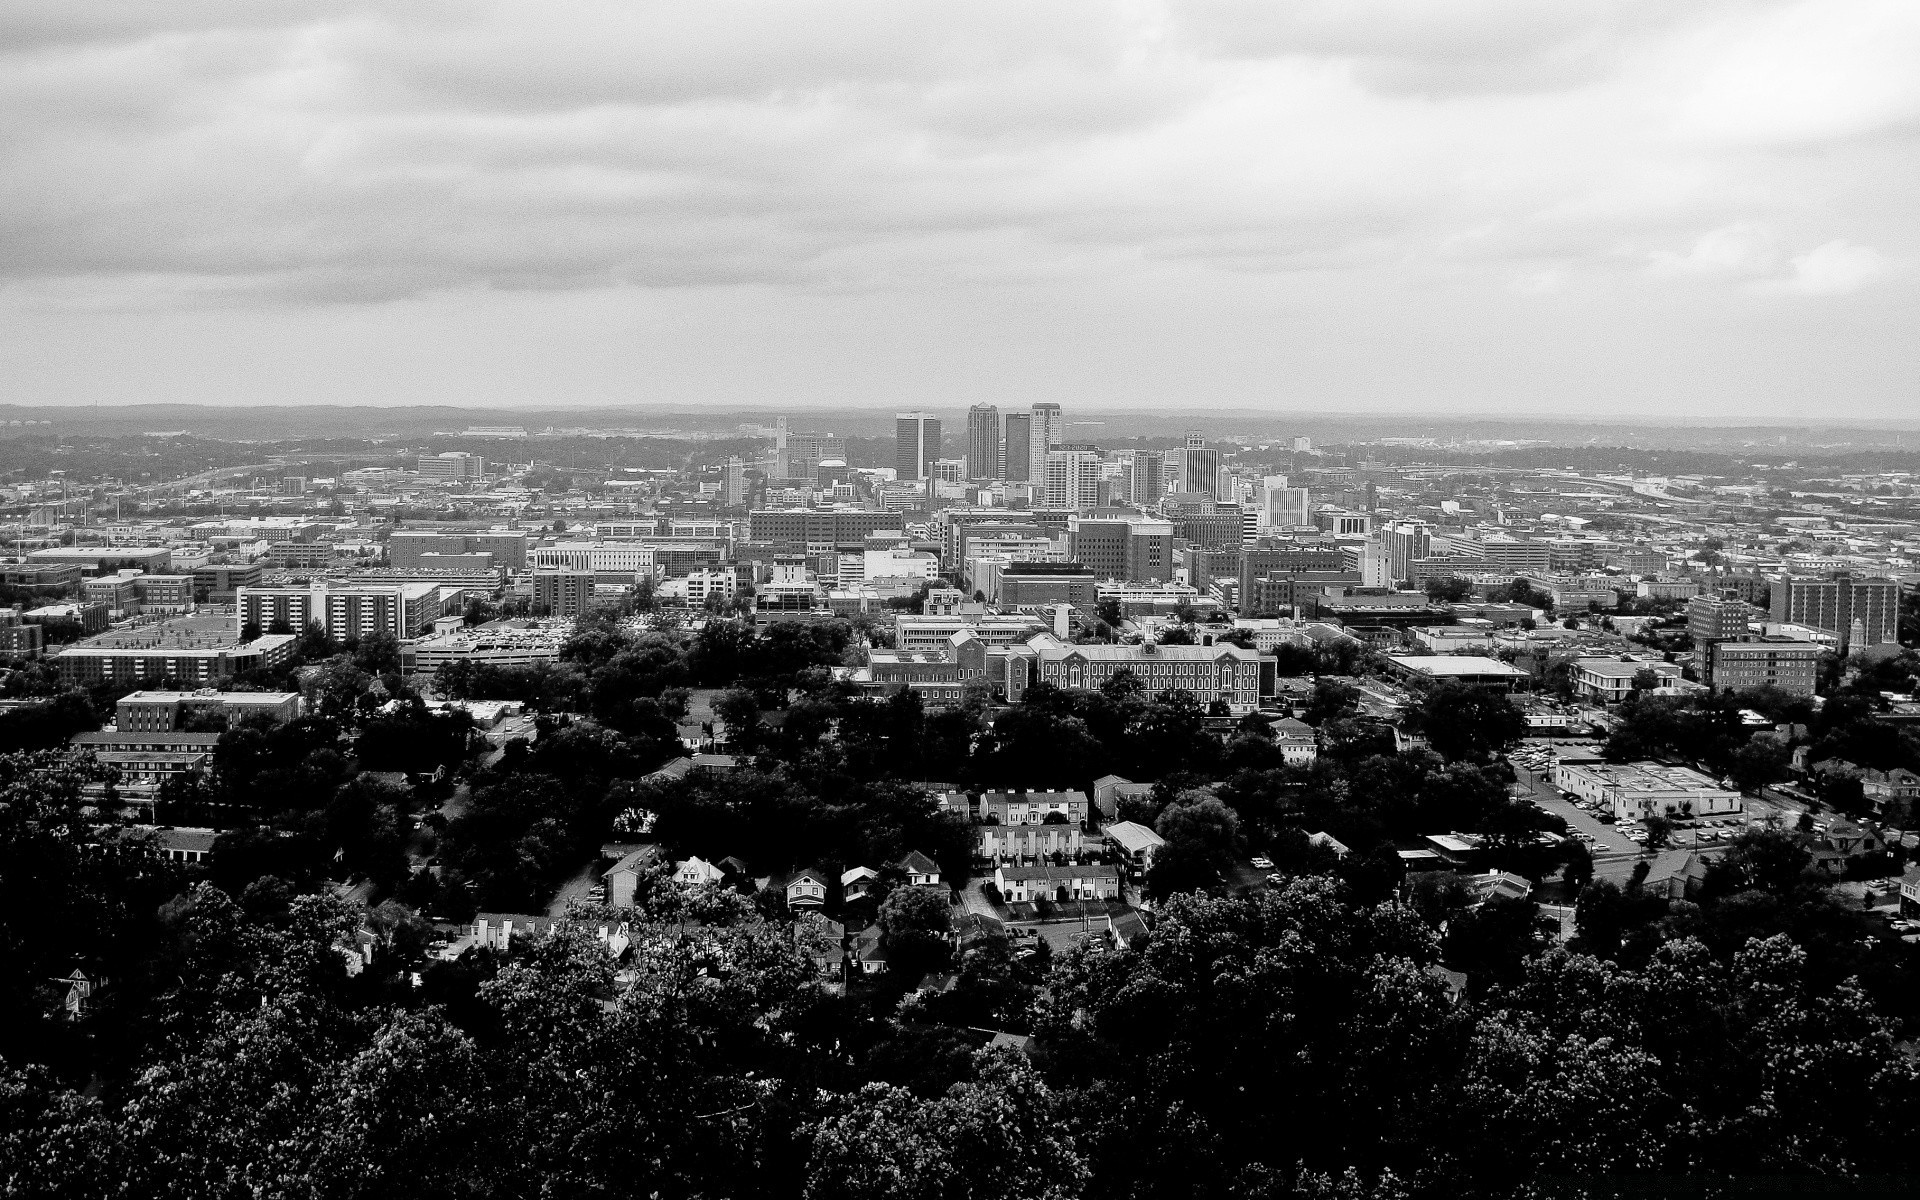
1636 791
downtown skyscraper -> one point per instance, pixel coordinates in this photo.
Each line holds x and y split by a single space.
916 444
984 460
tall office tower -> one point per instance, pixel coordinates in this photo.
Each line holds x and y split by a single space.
736 481
916 444
1861 612
1142 476
1073 477
1017 453
983 443
1049 430
1404 541
1201 468
1282 507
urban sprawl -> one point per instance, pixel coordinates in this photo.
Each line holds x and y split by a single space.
967 724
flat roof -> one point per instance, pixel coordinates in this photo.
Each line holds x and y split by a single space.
1456 665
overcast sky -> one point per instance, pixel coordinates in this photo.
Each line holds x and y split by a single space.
1553 206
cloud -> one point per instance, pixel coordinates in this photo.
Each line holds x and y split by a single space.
312 150
1834 269
1746 249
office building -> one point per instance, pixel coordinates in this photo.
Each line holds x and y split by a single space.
1142 480
20 638
1403 542
806 530
407 549
40 575
1073 477
103 560
1861 612
983 443
916 444
1023 585
1129 548
1636 791
453 465
167 712
1282 507
1049 430
1016 458
562 591
189 649
1200 468
1785 663
1717 619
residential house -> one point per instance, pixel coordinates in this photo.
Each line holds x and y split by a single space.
920 870
806 889
858 883
1018 843
1136 845
695 871
951 800
712 764
868 952
79 993
1910 892
1127 930
497 931
1034 808
624 876
1327 841
1299 744
1073 882
1109 790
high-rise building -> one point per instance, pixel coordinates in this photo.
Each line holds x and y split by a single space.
1861 612
1126 548
1142 476
1017 451
1403 542
1073 477
736 482
1717 619
1200 468
916 444
1282 507
562 591
983 443
1049 430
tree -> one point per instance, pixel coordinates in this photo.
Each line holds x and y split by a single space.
1000 1136
1448 589
915 922
1470 723
1659 831
1759 763
1203 838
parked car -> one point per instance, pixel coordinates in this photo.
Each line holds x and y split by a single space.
1263 862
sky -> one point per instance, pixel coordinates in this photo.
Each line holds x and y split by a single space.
1698 210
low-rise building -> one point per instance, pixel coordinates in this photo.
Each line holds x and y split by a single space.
1024 885
1218 672
1636 791
1610 680
1135 844
167 712
1427 670
1067 806
1792 666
